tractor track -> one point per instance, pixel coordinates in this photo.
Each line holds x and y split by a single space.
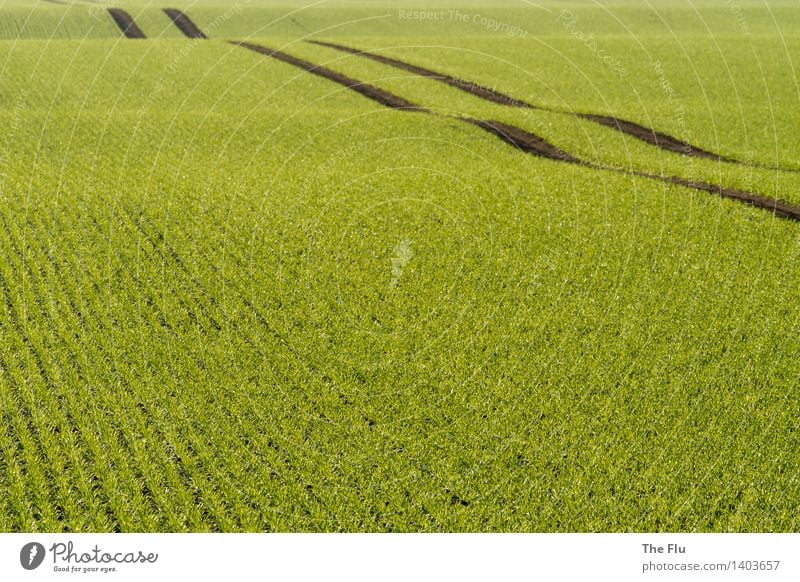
653 137
533 144
778 207
526 141
650 136
184 23
126 23
367 90
468 86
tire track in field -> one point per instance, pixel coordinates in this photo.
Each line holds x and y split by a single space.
533 144
126 23
656 138
184 23
528 142
525 141
369 91
467 86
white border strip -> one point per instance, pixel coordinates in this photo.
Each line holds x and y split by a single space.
380 557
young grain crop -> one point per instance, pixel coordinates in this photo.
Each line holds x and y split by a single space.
235 296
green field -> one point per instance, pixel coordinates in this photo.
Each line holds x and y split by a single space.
236 296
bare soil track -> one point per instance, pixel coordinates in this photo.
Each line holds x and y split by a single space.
536 145
653 137
468 86
184 23
126 23
523 140
778 207
367 90
645 134
533 144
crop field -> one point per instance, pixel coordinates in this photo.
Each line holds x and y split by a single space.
349 265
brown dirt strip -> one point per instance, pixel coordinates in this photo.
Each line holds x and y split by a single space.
525 141
184 23
369 91
535 145
467 86
653 137
778 207
640 132
126 23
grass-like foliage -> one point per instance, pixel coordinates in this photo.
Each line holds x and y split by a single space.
237 296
